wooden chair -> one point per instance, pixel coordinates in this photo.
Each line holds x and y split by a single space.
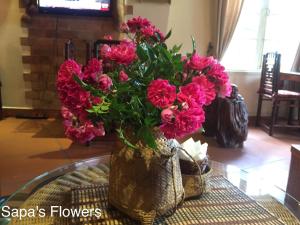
270 90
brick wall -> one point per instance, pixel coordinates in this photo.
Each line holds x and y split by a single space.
47 35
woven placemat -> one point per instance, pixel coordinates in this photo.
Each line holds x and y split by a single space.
224 204
275 207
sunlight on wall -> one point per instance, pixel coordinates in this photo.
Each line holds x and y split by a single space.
185 18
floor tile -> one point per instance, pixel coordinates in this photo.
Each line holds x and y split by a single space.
30 147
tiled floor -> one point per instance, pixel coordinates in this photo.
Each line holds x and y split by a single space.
31 147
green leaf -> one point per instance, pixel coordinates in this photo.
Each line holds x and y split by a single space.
176 48
150 122
157 36
88 87
149 70
142 53
166 54
193 44
148 137
151 53
124 139
168 35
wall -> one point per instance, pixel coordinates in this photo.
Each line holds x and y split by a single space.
185 18
13 85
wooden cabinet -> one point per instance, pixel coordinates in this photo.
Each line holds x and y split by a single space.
293 186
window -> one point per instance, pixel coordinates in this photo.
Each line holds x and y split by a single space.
264 26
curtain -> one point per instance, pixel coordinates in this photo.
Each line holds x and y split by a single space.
228 13
296 64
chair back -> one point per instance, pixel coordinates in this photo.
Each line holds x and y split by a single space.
269 82
92 49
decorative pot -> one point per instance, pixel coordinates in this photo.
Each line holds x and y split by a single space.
146 183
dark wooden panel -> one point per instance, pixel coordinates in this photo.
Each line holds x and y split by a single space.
37 59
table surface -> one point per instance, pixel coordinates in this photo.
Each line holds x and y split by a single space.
241 179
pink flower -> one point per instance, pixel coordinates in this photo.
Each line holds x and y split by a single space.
161 94
84 133
105 82
207 86
96 100
97 129
192 95
225 90
123 53
94 66
107 37
184 77
184 58
148 31
92 71
67 71
66 114
217 73
70 93
185 123
80 130
124 28
137 23
123 77
167 115
105 50
220 78
197 62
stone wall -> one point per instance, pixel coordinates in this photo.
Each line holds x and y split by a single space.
47 35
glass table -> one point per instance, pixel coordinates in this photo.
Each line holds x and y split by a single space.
82 172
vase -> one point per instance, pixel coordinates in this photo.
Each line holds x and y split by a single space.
146 183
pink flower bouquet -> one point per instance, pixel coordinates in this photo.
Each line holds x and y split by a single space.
149 86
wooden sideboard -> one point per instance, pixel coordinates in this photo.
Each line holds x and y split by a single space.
293 186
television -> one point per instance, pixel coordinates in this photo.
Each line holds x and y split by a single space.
76 7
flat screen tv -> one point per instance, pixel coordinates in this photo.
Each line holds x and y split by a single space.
76 7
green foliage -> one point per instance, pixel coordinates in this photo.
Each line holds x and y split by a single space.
102 108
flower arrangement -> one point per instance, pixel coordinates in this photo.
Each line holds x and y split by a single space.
148 86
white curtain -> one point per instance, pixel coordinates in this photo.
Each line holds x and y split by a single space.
228 13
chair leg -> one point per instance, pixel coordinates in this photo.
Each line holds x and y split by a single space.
299 112
291 112
273 117
258 114
277 112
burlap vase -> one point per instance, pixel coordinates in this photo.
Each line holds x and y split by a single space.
144 184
